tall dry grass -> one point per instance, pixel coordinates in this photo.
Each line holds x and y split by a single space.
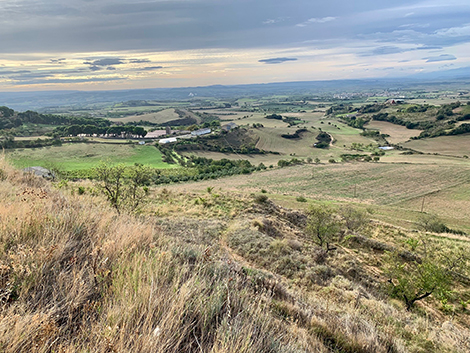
76 277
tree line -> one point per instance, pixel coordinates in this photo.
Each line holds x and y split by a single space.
90 130
10 119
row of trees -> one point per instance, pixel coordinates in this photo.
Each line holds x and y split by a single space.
90 130
10 119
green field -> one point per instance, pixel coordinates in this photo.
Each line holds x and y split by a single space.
79 156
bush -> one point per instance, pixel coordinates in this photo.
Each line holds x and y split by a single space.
432 223
353 219
301 199
261 199
81 190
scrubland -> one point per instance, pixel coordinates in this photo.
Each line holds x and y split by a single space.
214 272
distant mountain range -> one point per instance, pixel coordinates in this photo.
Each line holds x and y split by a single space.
38 100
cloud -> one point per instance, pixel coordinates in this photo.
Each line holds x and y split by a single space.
384 50
139 61
105 62
443 57
95 68
462 31
151 68
316 20
387 50
71 80
58 61
10 72
276 60
273 21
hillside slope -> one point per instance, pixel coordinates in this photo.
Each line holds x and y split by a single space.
215 274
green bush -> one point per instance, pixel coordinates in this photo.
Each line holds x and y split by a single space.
261 199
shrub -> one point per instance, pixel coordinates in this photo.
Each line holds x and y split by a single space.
301 199
261 199
353 219
322 225
432 223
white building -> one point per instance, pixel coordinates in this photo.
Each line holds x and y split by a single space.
168 140
201 132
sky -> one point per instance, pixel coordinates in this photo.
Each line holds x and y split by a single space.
119 44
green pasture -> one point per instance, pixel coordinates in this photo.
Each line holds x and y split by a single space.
79 156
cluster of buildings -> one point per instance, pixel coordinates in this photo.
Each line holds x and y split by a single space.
183 134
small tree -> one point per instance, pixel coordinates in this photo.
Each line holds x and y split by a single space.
317 160
136 188
431 274
110 180
123 187
322 225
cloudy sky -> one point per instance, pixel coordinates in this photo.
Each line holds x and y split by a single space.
122 44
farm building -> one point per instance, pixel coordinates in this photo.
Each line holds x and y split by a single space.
229 126
201 132
168 140
155 134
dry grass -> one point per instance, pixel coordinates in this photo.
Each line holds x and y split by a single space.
458 145
397 133
76 277
160 117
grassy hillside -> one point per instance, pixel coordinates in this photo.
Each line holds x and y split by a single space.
375 184
161 117
397 133
458 145
213 273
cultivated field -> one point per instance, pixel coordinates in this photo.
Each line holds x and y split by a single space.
397 133
458 145
160 117
388 187
77 156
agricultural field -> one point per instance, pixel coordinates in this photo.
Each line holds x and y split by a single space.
385 187
458 145
397 133
157 118
80 156
161 117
